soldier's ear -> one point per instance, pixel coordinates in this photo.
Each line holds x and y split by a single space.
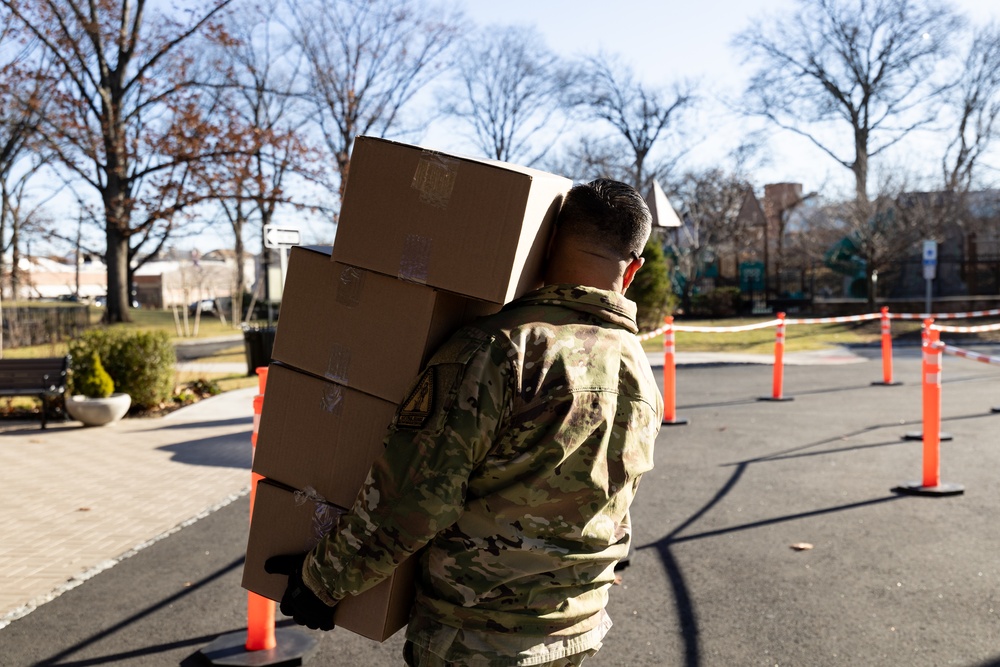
633 267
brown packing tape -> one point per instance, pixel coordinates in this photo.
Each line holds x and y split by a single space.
435 179
414 262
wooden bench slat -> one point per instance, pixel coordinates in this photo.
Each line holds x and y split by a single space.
41 377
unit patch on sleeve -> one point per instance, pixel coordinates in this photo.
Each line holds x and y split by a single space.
417 407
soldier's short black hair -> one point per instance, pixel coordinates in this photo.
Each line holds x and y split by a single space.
606 213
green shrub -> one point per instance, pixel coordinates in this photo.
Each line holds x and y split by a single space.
651 288
141 363
91 380
720 302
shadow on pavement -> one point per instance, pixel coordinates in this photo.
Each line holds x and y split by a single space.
21 428
59 658
686 612
235 421
800 451
226 451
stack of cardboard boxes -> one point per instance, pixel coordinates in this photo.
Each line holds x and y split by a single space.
426 243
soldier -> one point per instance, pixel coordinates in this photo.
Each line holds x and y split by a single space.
514 459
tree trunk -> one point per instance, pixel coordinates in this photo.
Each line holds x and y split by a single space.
237 300
3 228
870 291
640 159
117 214
118 287
15 260
860 166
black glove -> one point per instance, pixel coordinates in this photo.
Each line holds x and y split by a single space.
299 601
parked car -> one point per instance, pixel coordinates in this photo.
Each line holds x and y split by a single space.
102 301
208 307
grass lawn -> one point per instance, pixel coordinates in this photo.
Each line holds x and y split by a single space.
798 337
142 320
164 320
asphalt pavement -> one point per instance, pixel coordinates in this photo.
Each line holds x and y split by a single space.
768 533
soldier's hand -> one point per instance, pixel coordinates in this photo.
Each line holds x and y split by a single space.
299 601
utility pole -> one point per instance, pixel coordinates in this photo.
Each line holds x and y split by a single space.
79 228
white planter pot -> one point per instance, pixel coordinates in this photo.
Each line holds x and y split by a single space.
98 411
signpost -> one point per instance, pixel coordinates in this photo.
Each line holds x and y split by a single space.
281 238
930 271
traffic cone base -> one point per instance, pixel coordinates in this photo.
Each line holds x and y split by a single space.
918 489
886 384
676 421
294 646
776 398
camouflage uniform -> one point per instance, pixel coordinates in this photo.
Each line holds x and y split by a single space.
515 457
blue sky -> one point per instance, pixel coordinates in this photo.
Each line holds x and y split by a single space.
663 42
671 40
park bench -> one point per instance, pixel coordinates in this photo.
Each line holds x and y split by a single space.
44 377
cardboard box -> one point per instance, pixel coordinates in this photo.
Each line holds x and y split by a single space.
320 434
474 227
285 524
360 328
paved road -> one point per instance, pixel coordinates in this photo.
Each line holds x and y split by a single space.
713 579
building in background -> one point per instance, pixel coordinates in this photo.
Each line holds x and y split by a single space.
178 279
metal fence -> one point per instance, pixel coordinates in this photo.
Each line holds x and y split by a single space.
41 325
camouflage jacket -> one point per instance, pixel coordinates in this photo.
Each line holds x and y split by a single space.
515 458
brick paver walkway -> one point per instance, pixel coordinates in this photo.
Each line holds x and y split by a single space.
74 500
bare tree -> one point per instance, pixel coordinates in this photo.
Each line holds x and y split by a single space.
588 157
367 59
976 101
22 102
125 118
855 73
509 84
24 216
709 203
607 91
875 233
264 92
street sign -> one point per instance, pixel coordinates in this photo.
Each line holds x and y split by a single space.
930 260
281 237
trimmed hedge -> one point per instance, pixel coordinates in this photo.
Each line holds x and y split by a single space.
141 363
719 302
